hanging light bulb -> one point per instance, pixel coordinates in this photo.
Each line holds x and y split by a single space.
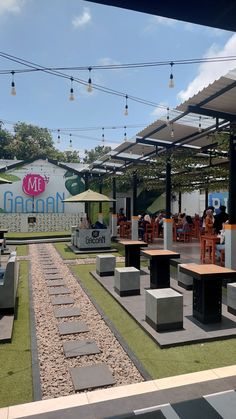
13 87
58 137
103 137
71 96
70 143
200 124
168 117
171 80
126 111
89 86
125 135
172 133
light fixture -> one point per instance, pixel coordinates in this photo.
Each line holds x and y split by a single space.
200 124
89 86
168 117
13 87
70 144
171 80
126 111
58 137
71 96
103 137
172 133
125 135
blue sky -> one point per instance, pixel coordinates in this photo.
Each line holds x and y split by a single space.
78 33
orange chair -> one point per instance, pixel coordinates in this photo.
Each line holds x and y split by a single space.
222 257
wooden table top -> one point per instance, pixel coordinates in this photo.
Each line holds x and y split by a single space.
160 252
206 269
3 230
133 242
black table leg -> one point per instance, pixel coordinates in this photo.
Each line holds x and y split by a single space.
207 300
159 273
132 256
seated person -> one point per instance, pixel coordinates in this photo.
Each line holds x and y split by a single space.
185 225
98 225
84 223
221 245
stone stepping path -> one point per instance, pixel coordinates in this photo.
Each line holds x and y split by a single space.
62 300
98 375
58 290
55 283
53 277
68 328
51 272
80 347
67 312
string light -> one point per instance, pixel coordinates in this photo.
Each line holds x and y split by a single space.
89 86
200 124
103 137
126 111
168 117
70 144
13 87
125 135
172 133
171 80
71 96
58 137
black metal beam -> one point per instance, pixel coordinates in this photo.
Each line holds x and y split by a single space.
168 187
232 178
211 112
114 193
135 184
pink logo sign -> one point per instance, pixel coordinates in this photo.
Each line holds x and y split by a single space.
33 185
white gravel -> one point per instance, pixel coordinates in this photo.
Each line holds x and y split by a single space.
54 367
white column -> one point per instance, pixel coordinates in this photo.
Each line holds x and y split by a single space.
114 225
230 246
168 233
134 234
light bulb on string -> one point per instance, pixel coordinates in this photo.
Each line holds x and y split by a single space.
13 87
89 86
58 136
70 143
172 133
200 124
126 111
168 116
125 135
171 80
71 96
103 137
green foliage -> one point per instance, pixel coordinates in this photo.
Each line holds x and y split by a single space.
15 357
95 153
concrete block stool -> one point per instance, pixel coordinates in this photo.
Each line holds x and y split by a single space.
127 281
231 298
184 281
164 309
105 265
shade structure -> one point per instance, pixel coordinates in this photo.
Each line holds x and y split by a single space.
89 196
2 181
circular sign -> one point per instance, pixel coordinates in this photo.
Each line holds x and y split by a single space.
33 185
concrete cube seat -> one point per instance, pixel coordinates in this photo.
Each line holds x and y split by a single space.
105 265
231 298
184 281
164 309
127 281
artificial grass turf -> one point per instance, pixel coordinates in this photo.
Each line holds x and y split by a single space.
40 234
22 250
67 254
158 362
15 357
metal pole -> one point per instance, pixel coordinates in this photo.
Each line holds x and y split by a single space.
232 178
100 191
135 181
168 187
114 193
179 202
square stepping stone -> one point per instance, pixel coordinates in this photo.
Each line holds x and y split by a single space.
52 277
55 283
67 312
64 299
93 376
68 328
58 290
52 272
50 265
80 347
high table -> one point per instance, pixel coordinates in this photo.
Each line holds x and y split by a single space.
207 289
210 241
132 252
160 266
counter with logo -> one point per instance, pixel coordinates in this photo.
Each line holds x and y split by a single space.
89 239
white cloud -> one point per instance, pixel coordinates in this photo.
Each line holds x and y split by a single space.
159 112
83 19
11 6
209 72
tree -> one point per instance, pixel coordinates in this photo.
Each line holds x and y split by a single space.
5 141
95 153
